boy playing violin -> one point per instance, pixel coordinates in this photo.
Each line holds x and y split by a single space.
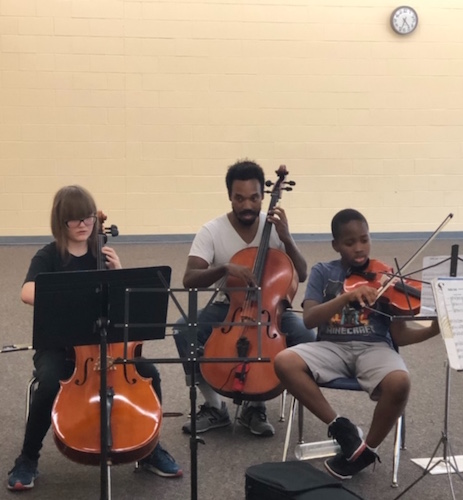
354 340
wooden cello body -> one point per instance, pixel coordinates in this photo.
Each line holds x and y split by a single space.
260 381
277 284
133 410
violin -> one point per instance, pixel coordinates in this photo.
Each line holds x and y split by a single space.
133 410
278 281
401 295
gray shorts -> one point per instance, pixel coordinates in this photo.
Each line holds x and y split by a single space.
369 362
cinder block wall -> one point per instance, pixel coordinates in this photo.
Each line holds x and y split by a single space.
147 102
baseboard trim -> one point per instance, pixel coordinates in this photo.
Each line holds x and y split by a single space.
188 238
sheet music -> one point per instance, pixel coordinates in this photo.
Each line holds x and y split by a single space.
448 295
441 268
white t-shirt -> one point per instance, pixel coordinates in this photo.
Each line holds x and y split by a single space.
217 242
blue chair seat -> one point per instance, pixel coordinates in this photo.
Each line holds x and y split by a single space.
345 384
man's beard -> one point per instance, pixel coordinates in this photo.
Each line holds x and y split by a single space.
244 213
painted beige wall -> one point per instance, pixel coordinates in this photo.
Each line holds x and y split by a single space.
147 102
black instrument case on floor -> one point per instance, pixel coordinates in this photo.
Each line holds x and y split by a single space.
293 481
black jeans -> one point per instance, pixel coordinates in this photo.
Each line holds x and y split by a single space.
52 366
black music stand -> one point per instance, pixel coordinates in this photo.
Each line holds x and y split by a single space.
90 308
448 458
195 358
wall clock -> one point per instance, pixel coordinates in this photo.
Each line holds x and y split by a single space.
404 20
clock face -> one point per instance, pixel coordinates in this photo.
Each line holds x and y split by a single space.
404 20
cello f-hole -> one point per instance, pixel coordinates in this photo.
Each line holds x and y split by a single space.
227 328
82 382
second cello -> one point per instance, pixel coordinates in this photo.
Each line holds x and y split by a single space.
255 316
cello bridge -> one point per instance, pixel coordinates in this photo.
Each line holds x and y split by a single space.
248 319
109 364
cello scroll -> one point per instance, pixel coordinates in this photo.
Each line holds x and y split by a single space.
103 233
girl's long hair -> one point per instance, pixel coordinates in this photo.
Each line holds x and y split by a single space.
72 203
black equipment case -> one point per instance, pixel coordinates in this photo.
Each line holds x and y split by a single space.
293 481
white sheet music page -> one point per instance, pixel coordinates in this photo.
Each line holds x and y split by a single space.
434 267
448 295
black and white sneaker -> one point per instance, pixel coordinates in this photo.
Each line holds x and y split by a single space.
342 469
348 437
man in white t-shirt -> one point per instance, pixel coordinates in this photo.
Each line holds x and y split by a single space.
209 263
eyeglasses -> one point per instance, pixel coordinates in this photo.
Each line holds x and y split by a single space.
88 221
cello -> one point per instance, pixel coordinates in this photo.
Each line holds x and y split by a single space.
133 410
252 326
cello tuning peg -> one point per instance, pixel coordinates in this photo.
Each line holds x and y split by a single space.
291 183
287 188
268 183
113 230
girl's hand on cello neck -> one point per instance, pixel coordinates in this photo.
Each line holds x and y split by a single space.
111 258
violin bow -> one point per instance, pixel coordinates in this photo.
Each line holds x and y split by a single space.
400 270
15 348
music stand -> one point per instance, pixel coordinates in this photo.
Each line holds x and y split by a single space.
194 358
89 308
448 458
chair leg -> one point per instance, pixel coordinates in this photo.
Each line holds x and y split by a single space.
300 423
398 445
403 447
292 412
237 412
283 405
31 388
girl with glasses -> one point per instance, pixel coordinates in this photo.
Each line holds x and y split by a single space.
75 232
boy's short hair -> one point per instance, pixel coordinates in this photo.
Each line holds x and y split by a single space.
344 217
